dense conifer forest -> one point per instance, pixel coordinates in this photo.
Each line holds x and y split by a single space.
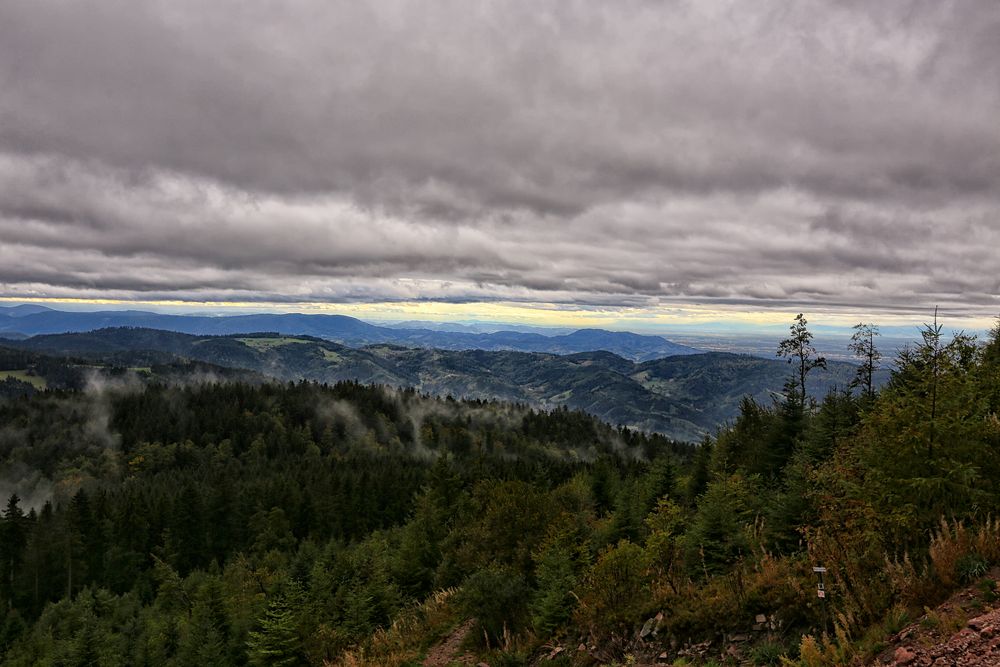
217 522
685 397
460 334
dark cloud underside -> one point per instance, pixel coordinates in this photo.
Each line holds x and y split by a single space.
832 154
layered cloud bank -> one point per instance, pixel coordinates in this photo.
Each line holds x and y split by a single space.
825 155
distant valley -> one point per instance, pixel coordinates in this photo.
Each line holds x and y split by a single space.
684 396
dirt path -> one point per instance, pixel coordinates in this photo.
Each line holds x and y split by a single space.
448 651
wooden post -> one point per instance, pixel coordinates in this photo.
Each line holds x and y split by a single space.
821 593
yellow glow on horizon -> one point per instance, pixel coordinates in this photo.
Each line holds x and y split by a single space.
537 314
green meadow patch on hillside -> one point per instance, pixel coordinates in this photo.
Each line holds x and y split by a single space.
23 375
269 343
331 356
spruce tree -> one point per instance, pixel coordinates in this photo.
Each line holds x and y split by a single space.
15 538
277 641
552 602
863 347
799 349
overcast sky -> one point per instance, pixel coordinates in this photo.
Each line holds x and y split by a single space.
651 158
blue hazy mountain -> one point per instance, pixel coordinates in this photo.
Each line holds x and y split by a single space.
22 310
341 329
475 326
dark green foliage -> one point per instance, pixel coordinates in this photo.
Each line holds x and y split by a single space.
864 348
13 542
767 653
613 590
686 397
717 535
266 523
285 522
701 471
497 598
552 603
799 350
276 643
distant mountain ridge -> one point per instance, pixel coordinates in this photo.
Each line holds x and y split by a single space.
685 397
22 310
478 327
38 320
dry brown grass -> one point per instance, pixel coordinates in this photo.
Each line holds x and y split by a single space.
406 640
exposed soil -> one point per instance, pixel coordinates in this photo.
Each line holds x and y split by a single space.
449 650
960 632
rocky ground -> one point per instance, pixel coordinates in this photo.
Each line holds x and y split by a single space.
961 632
976 645
964 631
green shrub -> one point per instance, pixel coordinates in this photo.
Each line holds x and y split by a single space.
614 587
497 598
553 603
971 567
767 653
988 590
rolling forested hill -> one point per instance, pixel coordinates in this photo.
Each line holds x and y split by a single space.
25 372
685 397
209 522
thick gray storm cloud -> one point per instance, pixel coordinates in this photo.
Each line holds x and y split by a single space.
826 154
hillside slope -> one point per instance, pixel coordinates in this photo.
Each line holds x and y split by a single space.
685 397
962 631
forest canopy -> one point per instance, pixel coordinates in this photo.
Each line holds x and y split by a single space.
225 522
